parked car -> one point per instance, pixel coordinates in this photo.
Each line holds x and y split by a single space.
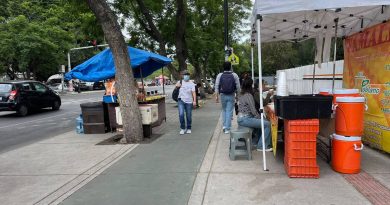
55 83
98 85
58 87
86 85
25 95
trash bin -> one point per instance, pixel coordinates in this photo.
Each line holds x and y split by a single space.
93 118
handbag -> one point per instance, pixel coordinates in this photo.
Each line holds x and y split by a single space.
175 93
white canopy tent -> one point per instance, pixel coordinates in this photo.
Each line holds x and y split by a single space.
299 20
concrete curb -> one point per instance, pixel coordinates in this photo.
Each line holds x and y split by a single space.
75 184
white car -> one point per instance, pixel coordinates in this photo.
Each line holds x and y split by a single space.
58 87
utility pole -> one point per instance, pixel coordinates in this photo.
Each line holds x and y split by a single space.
226 28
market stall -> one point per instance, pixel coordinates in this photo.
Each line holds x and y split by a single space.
101 67
299 20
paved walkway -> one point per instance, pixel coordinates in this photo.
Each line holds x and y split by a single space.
221 181
162 172
176 169
48 171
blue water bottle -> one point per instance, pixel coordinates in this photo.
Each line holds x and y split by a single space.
79 125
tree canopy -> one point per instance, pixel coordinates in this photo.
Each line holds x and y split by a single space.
36 35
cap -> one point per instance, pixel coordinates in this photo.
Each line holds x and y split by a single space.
185 72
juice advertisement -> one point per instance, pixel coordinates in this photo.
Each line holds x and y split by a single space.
367 68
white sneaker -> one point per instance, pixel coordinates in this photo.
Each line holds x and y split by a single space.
267 150
226 131
188 131
182 132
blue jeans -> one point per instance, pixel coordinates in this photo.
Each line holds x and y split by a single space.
187 109
227 102
256 124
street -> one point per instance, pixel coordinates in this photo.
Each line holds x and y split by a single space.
18 131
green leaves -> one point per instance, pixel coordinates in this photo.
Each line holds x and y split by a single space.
37 35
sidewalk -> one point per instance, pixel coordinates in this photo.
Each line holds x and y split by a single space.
162 172
221 181
175 169
48 171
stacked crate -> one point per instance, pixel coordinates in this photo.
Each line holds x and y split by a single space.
300 148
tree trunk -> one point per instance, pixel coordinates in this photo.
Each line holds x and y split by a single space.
131 116
180 40
198 72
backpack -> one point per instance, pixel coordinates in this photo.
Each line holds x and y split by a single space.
227 83
175 93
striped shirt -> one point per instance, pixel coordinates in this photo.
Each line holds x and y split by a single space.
246 105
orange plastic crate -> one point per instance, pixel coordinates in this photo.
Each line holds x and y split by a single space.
300 153
302 171
310 125
306 161
300 148
301 137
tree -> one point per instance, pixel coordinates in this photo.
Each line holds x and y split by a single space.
193 30
124 75
38 34
32 48
157 20
206 37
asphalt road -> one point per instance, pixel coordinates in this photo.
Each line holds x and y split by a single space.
18 131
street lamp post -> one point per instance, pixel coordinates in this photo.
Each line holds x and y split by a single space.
79 48
82 48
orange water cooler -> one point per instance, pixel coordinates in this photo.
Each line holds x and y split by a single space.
346 142
346 154
349 116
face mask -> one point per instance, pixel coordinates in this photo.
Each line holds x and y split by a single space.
186 78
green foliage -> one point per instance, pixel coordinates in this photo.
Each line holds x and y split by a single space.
204 29
32 46
37 35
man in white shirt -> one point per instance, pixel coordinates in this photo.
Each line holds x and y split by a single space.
186 100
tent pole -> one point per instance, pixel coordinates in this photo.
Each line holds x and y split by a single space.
142 81
259 18
162 73
336 21
253 71
314 72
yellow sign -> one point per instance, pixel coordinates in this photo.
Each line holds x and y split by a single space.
233 59
367 67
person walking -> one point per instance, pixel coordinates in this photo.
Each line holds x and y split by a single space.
186 101
248 116
226 85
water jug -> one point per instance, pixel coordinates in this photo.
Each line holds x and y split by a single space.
79 125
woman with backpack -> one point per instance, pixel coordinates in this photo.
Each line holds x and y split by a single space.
186 101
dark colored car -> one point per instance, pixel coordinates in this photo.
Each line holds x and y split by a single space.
99 85
26 95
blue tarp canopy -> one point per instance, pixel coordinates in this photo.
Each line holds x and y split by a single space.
102 67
